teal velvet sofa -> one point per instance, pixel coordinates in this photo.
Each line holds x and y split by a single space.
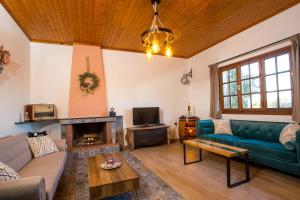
261 139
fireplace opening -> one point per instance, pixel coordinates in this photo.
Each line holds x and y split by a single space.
88 134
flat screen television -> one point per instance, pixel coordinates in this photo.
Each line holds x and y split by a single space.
146 116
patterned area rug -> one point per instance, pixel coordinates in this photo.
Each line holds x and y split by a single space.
74 182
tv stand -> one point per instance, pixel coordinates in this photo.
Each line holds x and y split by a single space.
146 136
147 125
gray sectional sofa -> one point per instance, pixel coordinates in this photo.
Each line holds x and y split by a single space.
39 176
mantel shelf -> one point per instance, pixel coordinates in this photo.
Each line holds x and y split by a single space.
40 121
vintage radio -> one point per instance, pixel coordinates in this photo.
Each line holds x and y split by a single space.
37 112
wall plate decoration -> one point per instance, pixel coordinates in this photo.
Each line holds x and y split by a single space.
185 79
4 58
88 81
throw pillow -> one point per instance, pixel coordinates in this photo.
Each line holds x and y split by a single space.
7 173
288 136
42 145
222 126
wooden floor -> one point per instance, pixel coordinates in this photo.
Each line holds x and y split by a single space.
207 179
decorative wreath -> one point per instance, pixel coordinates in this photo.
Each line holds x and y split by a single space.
88 82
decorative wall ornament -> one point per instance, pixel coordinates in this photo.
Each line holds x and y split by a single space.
4 58
88 81
185 80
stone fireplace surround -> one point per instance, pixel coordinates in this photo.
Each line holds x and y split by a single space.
103 127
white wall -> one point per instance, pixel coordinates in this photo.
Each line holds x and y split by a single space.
134 81
131 81
15 80
276 28
50 75
50 81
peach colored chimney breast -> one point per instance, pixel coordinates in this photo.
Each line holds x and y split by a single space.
80 103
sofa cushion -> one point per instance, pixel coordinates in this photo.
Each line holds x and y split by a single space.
50 167
288 136
15 151
222 126
205 126
270 149
268 131
222 138
7 173
41 145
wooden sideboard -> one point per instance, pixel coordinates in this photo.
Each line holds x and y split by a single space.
187 128
146 136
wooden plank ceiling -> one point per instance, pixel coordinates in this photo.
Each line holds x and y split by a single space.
117 24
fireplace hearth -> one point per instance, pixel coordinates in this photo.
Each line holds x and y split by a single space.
88 134
88 138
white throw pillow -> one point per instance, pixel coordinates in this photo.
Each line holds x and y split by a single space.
288 136
41 145
222 126
7 173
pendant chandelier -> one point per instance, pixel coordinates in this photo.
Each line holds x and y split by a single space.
158 37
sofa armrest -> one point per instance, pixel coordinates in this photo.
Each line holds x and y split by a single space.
24 188
61 144
205 127
298 145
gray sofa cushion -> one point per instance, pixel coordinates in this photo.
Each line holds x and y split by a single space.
17 153
50 167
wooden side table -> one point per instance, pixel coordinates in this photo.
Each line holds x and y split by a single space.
187 128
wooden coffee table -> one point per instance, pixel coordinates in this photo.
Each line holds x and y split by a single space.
224 150
105 183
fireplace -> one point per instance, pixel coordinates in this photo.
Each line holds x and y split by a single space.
88 134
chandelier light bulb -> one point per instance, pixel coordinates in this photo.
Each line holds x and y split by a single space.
149 53
152 37
155 46
168 52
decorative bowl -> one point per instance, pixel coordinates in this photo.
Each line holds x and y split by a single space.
111 164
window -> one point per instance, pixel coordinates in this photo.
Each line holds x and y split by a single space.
260 85
230 89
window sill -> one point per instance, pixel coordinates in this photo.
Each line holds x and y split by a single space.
287 111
